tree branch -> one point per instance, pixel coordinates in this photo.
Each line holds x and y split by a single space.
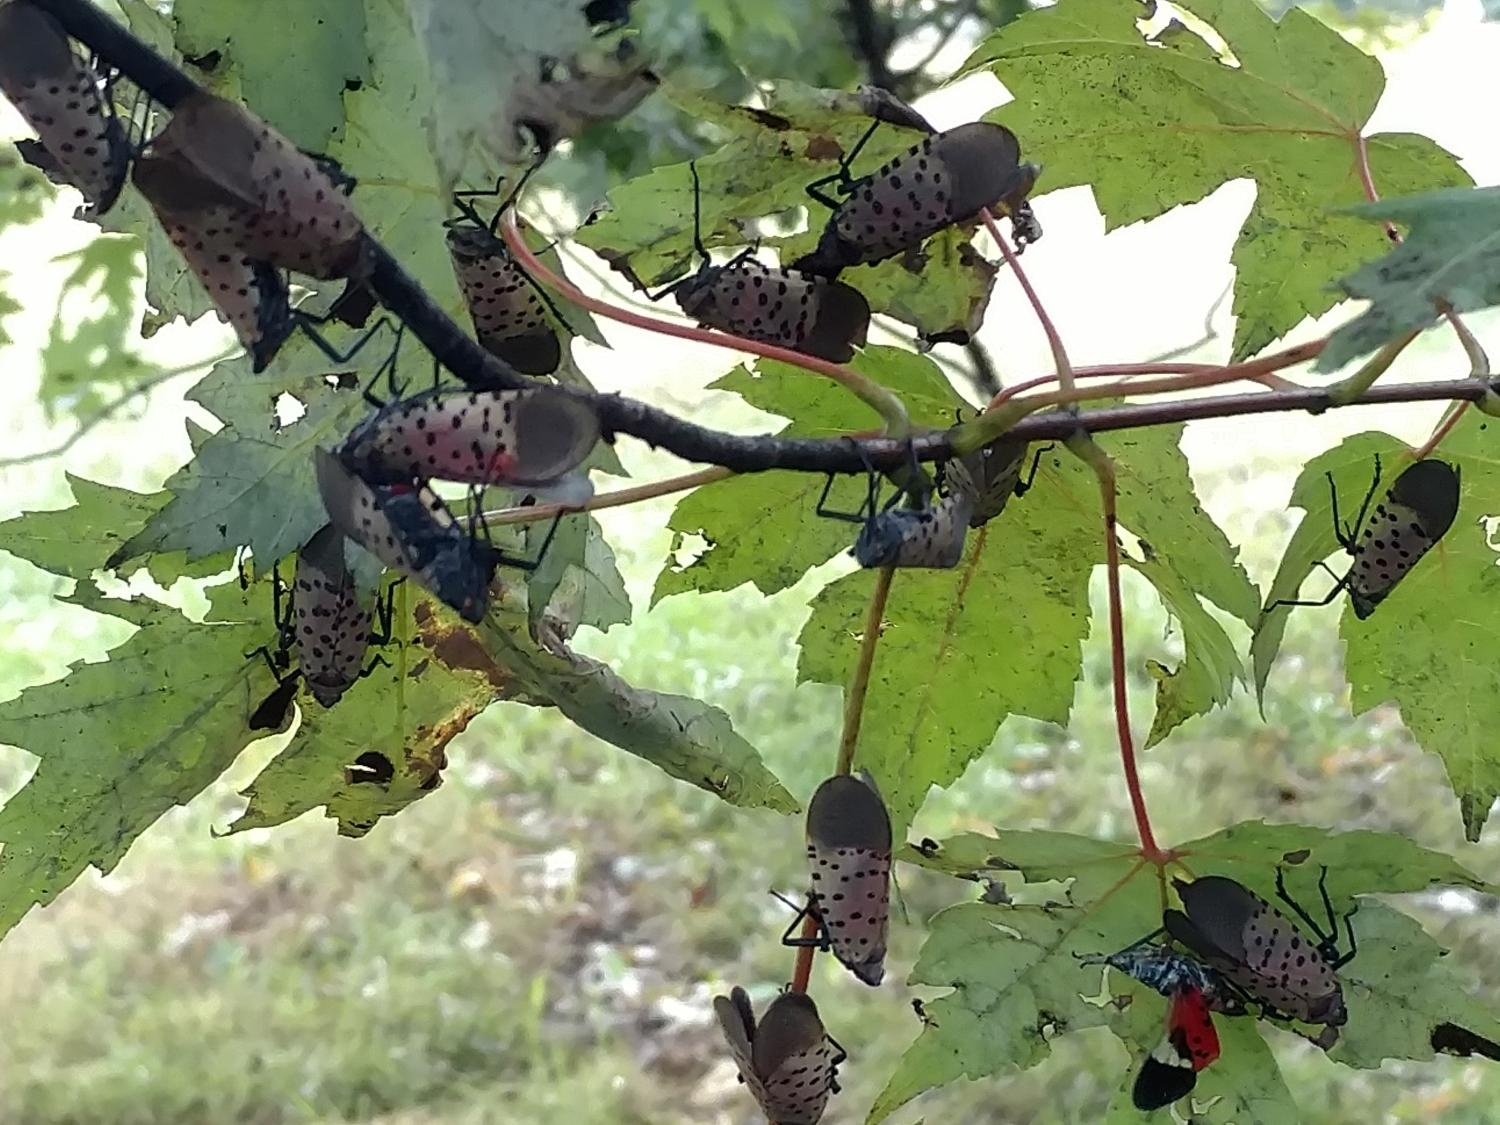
873 42
401 293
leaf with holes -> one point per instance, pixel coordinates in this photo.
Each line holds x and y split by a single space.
121 742
1451 254
1000 635
296 78
403 716
1013 971
1153 123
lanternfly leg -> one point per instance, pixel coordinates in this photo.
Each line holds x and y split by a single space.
1024 486
841 178
1346 533
819 941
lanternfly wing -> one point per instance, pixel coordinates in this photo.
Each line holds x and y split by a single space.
409 528
510 320
989 476
944 179
1416 512
209 230
788 1062
795 1060
849 851
795 310
530 437
296 215
1256 947
59 96
332 628
1171 1070
1169 971
917 537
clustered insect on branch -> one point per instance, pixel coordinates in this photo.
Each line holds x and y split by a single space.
245 207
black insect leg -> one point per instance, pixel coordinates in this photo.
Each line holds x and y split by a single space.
1024 486
1340 583
844 183
867 510
819 940
1346 533
1327 936
840 1057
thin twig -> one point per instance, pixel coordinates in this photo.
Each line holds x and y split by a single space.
1104 468
1054 339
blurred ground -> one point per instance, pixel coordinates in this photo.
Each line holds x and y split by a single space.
538 940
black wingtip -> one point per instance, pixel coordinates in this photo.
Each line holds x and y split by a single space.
1160 1084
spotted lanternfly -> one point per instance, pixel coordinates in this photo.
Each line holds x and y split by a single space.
333 631
510 319
1260 951
849 852
788 1061
1171 1070
59 96
409 528
530 437
944 179
931 537
1416 512
1170 971
797 311
990 476
209 231
293 213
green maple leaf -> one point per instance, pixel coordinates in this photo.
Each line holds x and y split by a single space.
1016 978
1451 254
1152 124
120 743
1416 650
684 737
1001 634
294 78
406 714
763 168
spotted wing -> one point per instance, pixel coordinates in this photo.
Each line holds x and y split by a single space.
360 514
297 216
911 537
510 320
210 233
1291 974
58 95
944 179
795 1060
849 854
1417 512
794 310
332 628
484 437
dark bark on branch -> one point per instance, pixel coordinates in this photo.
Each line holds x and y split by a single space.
403 296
